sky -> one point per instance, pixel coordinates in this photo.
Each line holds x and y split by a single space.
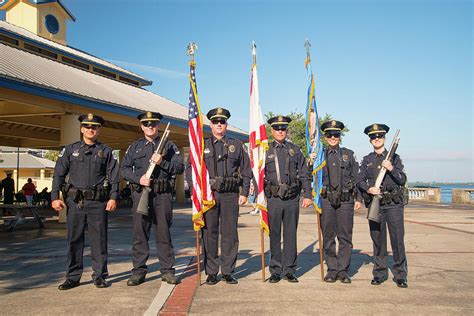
407 64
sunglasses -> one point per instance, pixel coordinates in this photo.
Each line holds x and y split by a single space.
335 135
375 136
280 127
150 123
221 121
90 126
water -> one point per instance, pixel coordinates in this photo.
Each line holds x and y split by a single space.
446 191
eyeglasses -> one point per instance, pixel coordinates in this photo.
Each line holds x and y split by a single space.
335 135
221 121
375 136
90 126
150 123
282 128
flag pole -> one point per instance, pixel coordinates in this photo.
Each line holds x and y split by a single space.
198 255
307 45
262 231
321 263
191 49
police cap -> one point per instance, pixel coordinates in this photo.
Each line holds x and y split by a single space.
91 119
332 127
149 116
218 113
376 129
279 121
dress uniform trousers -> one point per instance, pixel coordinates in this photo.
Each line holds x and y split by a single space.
226 211
94 216
284 212
391 215
337 223
160 217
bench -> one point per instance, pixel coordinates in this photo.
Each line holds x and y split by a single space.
18 213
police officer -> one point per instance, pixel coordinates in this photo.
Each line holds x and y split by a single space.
285 174
160 209
229 170
391 209
338 202
90 192
8 188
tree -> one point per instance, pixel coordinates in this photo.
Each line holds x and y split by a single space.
297 129
52 155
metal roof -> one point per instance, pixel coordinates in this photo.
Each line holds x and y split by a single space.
19 32
33 70
9 161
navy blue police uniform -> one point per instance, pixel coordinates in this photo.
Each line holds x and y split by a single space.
229 170
391 211
160 208
285 175
338 196
8 187
93 178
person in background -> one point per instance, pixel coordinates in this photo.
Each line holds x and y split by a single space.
7 187
29 190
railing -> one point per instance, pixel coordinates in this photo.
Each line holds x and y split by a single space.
425 194
463 196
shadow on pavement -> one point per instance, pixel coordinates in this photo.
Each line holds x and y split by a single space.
34 258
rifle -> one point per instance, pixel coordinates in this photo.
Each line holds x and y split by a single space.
374 208
142 207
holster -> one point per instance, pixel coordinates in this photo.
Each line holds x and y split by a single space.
135 187
65 189
217 184
334 198
367 198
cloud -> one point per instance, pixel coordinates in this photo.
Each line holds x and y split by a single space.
150 69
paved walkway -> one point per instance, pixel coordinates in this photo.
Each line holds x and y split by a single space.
439 242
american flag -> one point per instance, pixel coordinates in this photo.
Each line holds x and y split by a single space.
202 196
258 143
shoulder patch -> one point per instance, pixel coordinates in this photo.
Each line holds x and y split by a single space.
62 152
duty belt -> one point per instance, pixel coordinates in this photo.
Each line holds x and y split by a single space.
158 186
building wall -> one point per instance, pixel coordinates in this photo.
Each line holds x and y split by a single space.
32 17
54 9
25 15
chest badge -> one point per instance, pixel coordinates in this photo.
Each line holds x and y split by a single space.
207 150
101 154
369 164
75 153
271 156
345 158
232 148
291 152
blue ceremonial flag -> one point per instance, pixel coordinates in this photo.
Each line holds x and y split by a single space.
313 139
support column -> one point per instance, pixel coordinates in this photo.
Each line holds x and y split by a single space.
70 133
180 189
42 174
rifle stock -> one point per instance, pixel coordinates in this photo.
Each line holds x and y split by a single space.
142 207
374 209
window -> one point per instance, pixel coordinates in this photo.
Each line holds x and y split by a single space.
8 40
129 81
103 72
75 63
41 51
